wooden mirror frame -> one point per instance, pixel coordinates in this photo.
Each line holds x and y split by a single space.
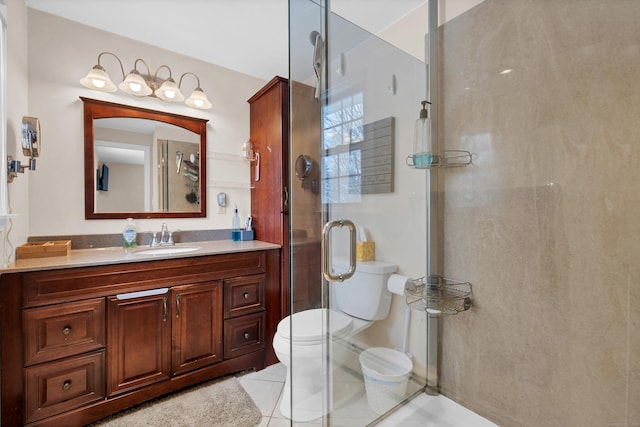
95 109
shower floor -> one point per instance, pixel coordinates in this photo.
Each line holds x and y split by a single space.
434 411
265 388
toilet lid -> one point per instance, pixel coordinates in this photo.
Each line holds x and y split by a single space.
307 324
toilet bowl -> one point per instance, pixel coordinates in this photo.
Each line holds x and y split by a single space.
300 342
305 371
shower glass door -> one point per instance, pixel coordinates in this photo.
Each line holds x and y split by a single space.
354 100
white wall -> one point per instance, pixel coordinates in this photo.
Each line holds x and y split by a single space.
60 53
17 107
126 189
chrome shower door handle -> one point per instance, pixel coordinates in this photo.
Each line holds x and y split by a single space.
326 250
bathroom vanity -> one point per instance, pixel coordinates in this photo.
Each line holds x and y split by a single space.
90 334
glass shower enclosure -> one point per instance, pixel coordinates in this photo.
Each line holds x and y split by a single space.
543 223
355 204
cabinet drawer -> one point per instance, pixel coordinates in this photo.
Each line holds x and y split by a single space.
63 330
243 335
244 295
58 286
56 387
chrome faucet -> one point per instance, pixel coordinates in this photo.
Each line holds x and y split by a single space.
164 233
166 237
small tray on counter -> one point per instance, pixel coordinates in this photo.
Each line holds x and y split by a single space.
50 248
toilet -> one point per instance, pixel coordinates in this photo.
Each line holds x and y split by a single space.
356 302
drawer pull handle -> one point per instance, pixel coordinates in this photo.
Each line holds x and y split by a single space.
67 385
246 335
66 330
246 295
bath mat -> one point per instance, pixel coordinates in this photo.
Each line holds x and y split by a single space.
221 403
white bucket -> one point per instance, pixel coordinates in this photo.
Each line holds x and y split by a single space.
386 375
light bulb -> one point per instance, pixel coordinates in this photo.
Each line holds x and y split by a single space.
98 79
198 99
134 84
169 91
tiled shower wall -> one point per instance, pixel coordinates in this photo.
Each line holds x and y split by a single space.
546 223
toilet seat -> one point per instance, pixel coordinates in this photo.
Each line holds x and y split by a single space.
308 325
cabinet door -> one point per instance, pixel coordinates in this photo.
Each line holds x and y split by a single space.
138 340
197 326
269 132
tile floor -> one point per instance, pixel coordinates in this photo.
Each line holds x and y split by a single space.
265 388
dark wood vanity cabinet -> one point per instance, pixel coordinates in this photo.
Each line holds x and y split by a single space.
157 336
79 344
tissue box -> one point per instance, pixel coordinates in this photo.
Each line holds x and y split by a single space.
365 251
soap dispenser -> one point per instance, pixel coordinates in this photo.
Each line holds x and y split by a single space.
129 234
235 226
422 157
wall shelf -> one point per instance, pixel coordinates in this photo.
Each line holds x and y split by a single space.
447 296
229 184
450 159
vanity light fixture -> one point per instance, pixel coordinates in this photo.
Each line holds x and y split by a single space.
142 85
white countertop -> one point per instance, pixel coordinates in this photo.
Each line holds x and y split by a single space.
117 255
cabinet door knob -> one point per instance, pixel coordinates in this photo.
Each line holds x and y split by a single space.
67 385
246 295
66 330
246 335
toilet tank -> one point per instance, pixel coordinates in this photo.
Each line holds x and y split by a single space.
365 294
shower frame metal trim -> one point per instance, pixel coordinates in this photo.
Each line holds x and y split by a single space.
433 231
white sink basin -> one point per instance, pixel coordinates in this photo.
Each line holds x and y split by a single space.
166 250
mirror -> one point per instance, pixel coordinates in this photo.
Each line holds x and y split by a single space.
31 137
142 163
307 172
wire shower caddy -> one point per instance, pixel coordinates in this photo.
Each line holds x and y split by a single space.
446 296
